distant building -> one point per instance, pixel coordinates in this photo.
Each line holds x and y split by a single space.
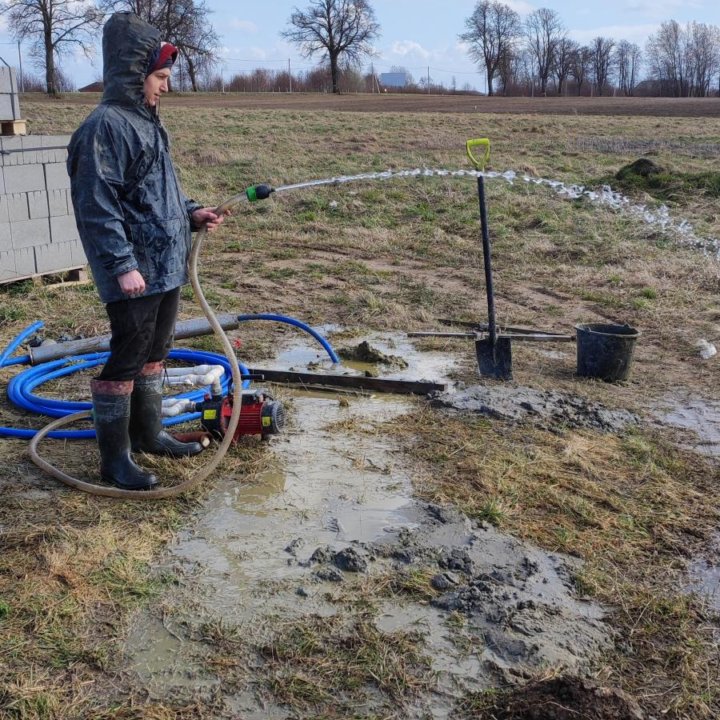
395 79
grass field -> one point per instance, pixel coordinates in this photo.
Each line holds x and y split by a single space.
397 255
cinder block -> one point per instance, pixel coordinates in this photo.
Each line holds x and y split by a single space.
30 233
24 178
31 142
2 182
7 266
59 202
54 257
55 141
17 207
63 229
32 150
7 107
56 176
10 151
38 205
25 261
6 80
78 254
4 214
5 237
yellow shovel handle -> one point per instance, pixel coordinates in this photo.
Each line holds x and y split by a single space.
481 162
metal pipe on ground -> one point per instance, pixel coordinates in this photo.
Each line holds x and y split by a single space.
183 329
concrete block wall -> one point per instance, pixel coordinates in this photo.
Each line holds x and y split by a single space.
38 234
9 101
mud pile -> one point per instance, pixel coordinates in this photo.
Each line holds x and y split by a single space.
519 602
546 408
565 698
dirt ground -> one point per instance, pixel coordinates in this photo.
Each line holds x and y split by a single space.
228 604
612 106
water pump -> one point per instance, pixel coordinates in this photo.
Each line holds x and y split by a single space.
261 414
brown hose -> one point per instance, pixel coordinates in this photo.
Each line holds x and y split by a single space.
204 472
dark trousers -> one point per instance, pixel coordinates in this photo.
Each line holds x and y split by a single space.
141 332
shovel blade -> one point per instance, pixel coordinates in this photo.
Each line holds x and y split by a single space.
494 358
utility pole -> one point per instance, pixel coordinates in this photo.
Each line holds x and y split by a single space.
428 80
22 77
289 75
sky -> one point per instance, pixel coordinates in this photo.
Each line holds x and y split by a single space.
419 35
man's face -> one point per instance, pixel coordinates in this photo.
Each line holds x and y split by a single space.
155 85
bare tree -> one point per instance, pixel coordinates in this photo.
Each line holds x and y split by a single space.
340 30
564 59
492 31
602 61
581 66
627 57
703 57
544 30
184 23
54 28
667 56
508 69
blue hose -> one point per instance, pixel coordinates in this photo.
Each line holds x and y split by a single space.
10 349
298 324
20 388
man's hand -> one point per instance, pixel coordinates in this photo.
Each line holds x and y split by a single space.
132 283
208 218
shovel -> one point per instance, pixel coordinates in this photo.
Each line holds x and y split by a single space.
494 354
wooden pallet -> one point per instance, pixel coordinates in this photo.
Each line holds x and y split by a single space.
69 276
13 127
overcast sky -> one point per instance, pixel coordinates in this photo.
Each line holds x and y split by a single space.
416 34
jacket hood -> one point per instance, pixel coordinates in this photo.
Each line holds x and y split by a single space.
127 44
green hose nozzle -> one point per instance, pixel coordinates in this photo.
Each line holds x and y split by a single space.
259 192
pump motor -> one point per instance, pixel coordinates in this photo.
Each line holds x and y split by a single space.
261 414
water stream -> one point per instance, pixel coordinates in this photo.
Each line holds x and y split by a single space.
660 218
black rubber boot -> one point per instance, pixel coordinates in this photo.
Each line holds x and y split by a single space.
111 414
146 433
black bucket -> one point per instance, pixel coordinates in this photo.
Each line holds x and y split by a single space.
605 351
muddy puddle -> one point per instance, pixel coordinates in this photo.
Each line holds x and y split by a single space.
332 512
704 576
403 360
699 417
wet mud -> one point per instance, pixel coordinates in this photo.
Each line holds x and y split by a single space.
333 511
565 698
698 417
545 408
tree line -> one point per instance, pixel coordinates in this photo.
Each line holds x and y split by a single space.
529 56
537 55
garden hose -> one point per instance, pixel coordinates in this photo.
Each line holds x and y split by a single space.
259 192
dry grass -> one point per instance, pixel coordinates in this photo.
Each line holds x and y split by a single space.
634 508
398 255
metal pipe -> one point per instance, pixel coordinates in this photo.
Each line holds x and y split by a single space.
183 329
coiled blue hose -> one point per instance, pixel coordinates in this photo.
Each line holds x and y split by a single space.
20 388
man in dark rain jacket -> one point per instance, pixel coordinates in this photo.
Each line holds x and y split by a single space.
135 225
